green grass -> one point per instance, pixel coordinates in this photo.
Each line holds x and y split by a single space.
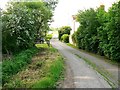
45 70
41 45
71 45
52 75
13 66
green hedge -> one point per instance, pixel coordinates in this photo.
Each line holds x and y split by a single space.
11 67
48 37
74 37
99 31
64 30
65 38
86 34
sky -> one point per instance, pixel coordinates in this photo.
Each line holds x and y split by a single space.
66 8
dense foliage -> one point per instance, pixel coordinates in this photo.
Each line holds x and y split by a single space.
22 23
11 67
65 38
74 37
99 31
48 36
112 47
63 30
87 32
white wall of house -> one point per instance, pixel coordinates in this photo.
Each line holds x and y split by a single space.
74 27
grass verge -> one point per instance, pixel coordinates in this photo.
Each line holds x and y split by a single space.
96 55
44 71
71 45
53 70
52 75
13 66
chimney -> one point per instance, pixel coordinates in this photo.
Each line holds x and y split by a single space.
102 6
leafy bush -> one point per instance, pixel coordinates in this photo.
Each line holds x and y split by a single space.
65 38
11 67
112 47
48 37
99 31
74 37
86 35
63 30
22 23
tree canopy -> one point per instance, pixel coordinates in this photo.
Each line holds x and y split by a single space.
23 22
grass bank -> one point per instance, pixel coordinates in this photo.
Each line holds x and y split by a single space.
12 66
44 71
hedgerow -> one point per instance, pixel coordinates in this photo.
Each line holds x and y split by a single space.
99 31
65 38
64 30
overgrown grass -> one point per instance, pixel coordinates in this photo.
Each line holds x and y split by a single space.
53 70
43 72
11 67
52 75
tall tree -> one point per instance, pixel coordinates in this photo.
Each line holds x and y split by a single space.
23 22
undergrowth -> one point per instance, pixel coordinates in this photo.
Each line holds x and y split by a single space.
14 65
42 70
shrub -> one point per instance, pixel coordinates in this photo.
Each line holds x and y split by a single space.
99 31
48 37
65 38
87 32
74 37
112 47
63 30
23 22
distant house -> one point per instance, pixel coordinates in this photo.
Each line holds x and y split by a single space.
74 27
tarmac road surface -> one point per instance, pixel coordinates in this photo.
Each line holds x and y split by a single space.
83 76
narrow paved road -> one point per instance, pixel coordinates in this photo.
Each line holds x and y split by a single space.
83 76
